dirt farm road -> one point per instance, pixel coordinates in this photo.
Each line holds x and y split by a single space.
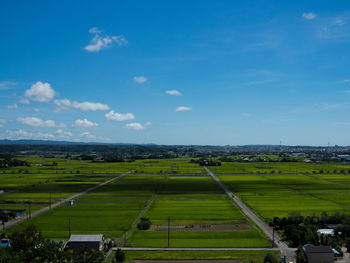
47 208
283 247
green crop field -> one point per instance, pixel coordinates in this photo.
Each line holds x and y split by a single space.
192 201
110 209
244 256
282 194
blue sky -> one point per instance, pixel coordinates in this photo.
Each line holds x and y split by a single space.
176 72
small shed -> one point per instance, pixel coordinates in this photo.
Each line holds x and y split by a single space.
77 242
70 202
317 254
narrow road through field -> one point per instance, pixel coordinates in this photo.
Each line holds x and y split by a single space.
283 247
47 208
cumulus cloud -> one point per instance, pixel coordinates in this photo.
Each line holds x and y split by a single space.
63 134
147 124
183 108
100 41
14 106
36 122
134 126
85 106
309 16
140 79
88 135
40 91
85 123
173 92
115 116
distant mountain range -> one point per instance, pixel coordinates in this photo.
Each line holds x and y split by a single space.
45 142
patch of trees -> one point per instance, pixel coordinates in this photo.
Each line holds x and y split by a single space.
144 224
11 162
29 246
298 230
206 162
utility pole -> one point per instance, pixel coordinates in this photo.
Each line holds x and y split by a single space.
273 235
50 200
30 214
168 231
69 227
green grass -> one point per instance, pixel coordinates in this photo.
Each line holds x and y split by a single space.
244 256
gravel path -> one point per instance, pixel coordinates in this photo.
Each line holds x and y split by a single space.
283 247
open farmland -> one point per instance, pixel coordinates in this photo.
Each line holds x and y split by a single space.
242 256
279 167
110 209
282 194
193 202
41 185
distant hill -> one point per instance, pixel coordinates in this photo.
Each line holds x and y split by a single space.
47 142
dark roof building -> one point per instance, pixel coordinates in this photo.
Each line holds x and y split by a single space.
85 241
317 254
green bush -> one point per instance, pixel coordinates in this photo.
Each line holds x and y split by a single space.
144 224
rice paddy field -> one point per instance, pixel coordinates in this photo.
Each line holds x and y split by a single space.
240 256
196 201
109 210
280 195
201 215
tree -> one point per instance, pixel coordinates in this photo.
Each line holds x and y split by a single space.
269 258
119 256
144 224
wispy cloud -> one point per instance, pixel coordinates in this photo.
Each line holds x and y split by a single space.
14 106
334 28
247 115
23 134
101 41
309 16
5 85
63 134
183 108
36 122
140 79
173 92
115 116
85 106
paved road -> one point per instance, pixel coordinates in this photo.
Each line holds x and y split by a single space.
283 247
195 248
47 208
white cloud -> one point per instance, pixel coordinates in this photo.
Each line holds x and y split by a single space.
100 41
140 79
134 126
183 108
2 122
115 116
88 135
85 106
5 85
173 92
36 110
24 101
40 91
85 123
247 115
309 16
63 134
23 134
345 81
36 122
147 124
14 106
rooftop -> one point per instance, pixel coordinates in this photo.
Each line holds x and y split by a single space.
86 238
317 249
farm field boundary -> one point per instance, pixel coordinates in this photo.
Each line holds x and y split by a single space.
47 208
